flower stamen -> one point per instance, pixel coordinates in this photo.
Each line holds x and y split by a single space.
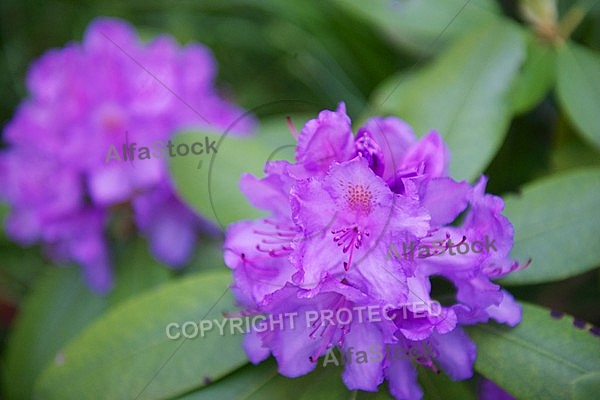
351 238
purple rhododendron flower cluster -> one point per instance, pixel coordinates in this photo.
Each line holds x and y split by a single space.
83 99
334 215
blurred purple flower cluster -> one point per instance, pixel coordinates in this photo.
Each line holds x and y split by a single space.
324 250
83 99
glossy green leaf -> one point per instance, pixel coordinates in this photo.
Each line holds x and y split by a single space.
536 78
57 309
404 20
541 358
578 74
462 95
126 353
557 225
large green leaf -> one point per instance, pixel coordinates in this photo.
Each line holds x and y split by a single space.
462 95
58 307
126 353
263 382
557 225
420 23
586 387
238 385
209 183
542 358
212 186
41 331
578 74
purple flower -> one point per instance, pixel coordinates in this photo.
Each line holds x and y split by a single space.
330 248
83 99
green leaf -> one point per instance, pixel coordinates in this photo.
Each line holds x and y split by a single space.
586 387
58 307
403 21
578 73
74 306
555 360
536 78
213 189
557 225
126 353
462 95
238 385
263 382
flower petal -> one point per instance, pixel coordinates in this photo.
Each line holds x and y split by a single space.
457 354
324 140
